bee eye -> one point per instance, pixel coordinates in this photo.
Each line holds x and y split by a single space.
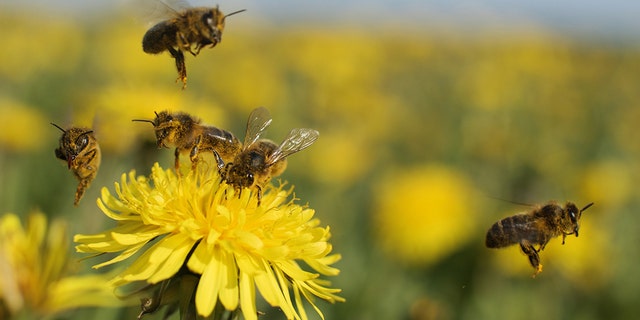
572 215
208 18
82 141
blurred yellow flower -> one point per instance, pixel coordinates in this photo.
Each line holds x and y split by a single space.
608 183
34 263
585 257
504 71
424 213
230 243
339 161
16 117
242 72
118 55
346 60
36 43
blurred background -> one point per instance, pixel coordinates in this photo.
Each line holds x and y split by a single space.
434 119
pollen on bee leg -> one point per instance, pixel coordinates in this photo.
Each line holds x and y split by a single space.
538 270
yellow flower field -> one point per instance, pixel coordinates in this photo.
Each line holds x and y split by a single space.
426 139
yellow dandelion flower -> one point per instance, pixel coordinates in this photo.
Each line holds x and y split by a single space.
196 225
17 116
424 214
34 265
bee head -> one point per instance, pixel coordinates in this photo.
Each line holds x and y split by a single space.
164 125
215 20
72 142
240 175
574 214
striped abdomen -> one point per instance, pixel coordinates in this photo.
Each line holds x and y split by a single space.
512 230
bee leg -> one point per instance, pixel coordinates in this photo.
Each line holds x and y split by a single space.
182 68
564 235
194 153
543 245
259 193
534 258
193 53
90 156
219 161
184 43
197 48
176 163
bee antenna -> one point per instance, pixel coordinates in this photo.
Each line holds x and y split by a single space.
57 126
143 120
232 13
156 113
586 207
86 133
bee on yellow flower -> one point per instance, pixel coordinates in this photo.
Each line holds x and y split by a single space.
202 248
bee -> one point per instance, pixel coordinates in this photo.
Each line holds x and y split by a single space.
189 30
187 134
262 159
536 227
80 149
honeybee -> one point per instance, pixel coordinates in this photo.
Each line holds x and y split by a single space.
189 30
187 134
262 159
536 227
80 149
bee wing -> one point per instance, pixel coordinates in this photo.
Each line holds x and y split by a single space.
219 134
151 12
259 120
297 140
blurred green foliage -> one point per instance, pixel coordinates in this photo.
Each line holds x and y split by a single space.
421 131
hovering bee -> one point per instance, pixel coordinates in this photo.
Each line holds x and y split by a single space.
261 159
536 227
80 149
187 134
190 29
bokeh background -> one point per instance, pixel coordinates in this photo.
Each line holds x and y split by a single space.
434 119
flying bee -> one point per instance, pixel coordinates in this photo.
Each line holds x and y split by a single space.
189 30
536 227
80 149
261 159
187 134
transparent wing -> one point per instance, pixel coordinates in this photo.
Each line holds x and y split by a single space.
150 12
259 120
297 140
